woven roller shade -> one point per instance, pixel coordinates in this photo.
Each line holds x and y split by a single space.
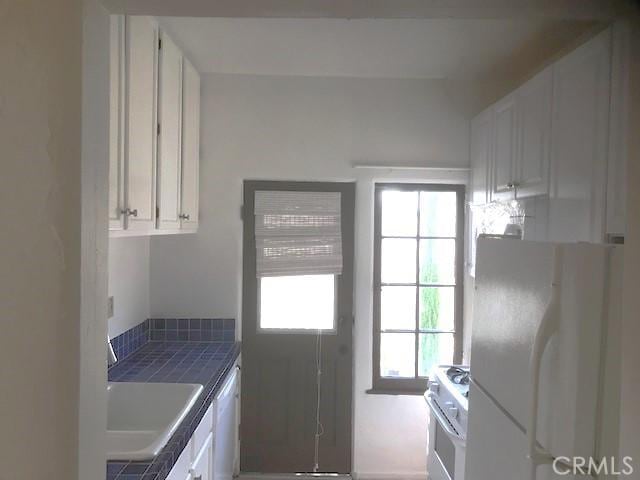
297 233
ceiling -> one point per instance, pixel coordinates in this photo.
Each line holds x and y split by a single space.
559 9
370 48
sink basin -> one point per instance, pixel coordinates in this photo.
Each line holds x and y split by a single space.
143 416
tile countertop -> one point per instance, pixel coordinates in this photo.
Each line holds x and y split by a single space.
206 363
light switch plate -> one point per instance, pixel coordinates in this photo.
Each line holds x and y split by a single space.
110 307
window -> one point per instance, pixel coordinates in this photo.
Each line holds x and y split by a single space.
297 302
418 245
298 240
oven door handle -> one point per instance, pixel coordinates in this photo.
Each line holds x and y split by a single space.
456 438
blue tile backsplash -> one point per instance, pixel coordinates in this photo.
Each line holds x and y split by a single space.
133 339
192 329
173 330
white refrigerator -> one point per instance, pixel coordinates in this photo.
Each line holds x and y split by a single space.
544 361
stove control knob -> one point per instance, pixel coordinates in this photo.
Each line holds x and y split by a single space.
434 387
452 410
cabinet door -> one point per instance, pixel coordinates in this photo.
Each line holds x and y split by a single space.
116 122
581 83
141 48
481 143
201 468
224 453
504 149
618 130
534 135
190 146
169 138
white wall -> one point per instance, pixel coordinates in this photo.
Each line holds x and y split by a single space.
630 408
310 129
40 205
128 282
95 172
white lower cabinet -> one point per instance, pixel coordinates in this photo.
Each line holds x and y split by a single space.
226 429
201 467
182 468
212 450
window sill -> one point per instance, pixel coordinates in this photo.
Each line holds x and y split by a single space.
388 391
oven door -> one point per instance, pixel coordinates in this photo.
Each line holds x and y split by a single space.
445 455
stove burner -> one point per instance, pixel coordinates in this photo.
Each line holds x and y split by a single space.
458 375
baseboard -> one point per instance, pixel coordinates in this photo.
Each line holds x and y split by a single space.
292 476
389 476
354 476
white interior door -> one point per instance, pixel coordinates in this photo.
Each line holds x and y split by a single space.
141 51
169 139
190 146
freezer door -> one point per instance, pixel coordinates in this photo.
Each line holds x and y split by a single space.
513 285
495 445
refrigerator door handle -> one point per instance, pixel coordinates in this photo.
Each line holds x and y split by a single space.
547 328
455 437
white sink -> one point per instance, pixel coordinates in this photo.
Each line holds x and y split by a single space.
143 416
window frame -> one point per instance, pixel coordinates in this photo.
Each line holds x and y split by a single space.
415 385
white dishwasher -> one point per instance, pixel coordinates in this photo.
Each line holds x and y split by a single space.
226 427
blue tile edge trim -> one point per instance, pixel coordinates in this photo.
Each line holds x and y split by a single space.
192 329
133 339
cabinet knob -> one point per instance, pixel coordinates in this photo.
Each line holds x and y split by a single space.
512 185
184 216
129 213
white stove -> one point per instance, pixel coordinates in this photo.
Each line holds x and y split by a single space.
447 398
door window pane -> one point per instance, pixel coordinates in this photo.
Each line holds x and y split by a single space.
434 349
437 308
438 214
301 302
397 355
398 308
437 262
398 263
399 214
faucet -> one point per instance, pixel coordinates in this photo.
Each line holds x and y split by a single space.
111 355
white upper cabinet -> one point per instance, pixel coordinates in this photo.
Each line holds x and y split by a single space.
190 146
116 123
562 135
169 133
154 132
140 151
480 152
534 100
504 149
579 144
618 130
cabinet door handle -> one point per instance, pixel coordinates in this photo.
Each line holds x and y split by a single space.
128 212
185 216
